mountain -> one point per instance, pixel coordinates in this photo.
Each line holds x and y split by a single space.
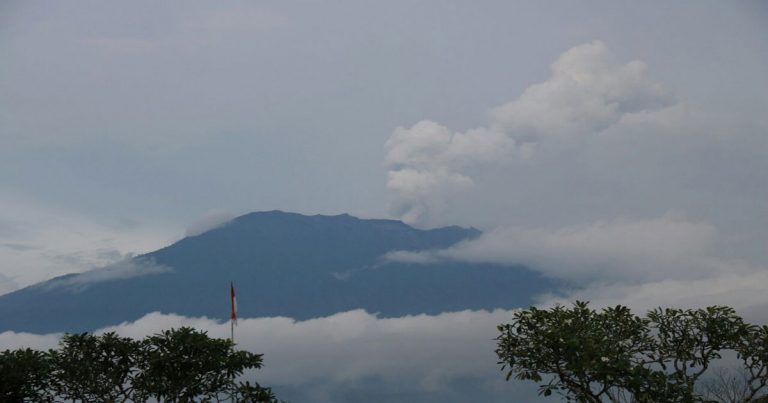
283 264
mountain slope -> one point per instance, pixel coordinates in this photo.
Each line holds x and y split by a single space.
282 264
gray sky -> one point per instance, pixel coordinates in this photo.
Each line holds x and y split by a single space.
124 124
621 146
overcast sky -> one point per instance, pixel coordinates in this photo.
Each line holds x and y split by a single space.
620 146
124 124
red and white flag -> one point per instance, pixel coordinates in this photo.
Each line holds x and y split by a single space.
234 302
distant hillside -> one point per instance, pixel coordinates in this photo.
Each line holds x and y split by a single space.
283 264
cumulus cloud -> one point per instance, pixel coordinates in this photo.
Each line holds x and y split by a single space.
430 145
325 358
589 91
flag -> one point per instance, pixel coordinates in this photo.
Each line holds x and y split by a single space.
234 302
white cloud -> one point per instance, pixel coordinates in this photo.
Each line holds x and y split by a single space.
128 268
424 353
429 145
426 161
594 159
38 242
666 261
743 292
588 92
618 249
326 358
212 220
412 257
415 192
11 340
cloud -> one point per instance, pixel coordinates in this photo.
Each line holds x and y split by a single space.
212 220
584 171
447 357
7 284
38 242
325 359
430 145
588 92
619 249
11 340
413 257
426 161
128 268
419 191
664 261
743 292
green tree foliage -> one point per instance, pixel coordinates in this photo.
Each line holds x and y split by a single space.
247 393
178 365
613 355
95 368
753 350
25 376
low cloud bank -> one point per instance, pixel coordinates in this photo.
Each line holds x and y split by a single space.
610 250
354 355
666 261
744 292
338 357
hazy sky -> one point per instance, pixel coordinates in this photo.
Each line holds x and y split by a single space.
568 125
620 146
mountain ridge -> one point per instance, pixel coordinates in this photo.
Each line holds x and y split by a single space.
283 264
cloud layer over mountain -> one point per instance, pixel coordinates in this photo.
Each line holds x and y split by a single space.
448 356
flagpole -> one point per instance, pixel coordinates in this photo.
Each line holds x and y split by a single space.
232 319
233 313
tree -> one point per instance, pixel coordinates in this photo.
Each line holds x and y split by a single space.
245 392
184 364
752 348
95 368
25 376
181 365
614 355
726 385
